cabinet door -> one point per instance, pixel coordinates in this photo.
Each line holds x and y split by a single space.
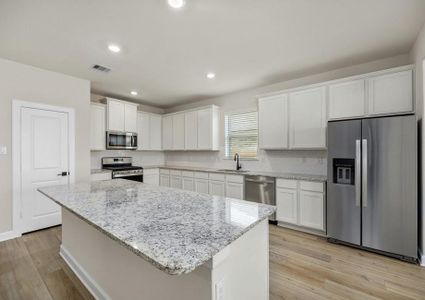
273 122
217 188
188 184
391 93
164 180
167 132
130 117
151 179
307 115
205 129
143 131
178 131
311 210
115 118
191 130
234 190
286 205
347 99
176 182
97 127
201 186
155 127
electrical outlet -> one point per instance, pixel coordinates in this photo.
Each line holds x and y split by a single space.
3 150
219 290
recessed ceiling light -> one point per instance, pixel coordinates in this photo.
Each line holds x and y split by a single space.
210 75
176 3
114 48
134 93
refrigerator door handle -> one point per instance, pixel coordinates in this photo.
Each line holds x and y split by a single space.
364 172
358 174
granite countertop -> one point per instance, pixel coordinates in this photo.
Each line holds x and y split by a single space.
99 171
283 175
175 230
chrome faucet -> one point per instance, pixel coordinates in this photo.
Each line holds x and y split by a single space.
238 163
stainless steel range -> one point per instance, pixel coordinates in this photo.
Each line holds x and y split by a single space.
122 167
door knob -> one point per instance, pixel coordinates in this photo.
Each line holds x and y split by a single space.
63 174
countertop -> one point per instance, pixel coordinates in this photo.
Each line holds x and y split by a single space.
175 230
283 175
99 171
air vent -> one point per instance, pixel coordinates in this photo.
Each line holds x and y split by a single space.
101 68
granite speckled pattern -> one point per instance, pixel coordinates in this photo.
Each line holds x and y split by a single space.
175 230
293 176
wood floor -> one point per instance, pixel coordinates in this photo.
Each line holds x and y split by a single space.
302 266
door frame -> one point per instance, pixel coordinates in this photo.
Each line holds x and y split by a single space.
17 106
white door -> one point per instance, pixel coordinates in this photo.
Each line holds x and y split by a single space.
201 186
155 132
178 131
217 188
205 129
273 122
44 156
311 210
143 131
234 190
191 130
286 205
307 119
167 132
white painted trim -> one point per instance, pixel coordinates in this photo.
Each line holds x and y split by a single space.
17 106
91 285
8 235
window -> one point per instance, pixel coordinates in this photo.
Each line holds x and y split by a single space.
241 134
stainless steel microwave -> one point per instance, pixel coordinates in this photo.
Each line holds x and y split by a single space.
121 140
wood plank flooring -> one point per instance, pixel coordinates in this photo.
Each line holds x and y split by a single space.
302 266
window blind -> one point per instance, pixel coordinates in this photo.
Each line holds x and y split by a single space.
241 134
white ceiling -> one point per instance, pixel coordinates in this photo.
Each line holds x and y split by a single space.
166 53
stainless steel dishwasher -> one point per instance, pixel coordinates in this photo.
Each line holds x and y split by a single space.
261 189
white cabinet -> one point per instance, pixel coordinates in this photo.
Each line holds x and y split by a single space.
307 119
188 183
149 131
176 181
201 185
234 190
178 131
164 177
101 176
167 132
273 122
208 128
121 115
391 93
151 176
347 99
191 130
97 126
217 188
287 205
311 210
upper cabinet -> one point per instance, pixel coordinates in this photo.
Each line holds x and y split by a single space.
149 131
391 93
196 129
121 115
347 99
307 119
273 122
97 126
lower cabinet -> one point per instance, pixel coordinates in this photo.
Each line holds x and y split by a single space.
301 203
234 190
164 180
217 188
188 183
100 176
201 185
176 182
151 176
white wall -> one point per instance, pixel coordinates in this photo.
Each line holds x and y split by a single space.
313 162
418 55
23 82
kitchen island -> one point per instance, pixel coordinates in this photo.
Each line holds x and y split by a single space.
129 240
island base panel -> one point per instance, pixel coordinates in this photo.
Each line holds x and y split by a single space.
110 271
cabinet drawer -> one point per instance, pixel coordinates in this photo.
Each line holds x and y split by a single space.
164 171
311 186
187 174
201 175
217 176
234 178
286 183
150 171
176 172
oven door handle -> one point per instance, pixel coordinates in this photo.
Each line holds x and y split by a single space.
127 175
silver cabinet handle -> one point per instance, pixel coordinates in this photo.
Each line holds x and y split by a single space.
357 170
364 172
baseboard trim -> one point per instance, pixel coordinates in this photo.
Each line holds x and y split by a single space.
8 235
97 292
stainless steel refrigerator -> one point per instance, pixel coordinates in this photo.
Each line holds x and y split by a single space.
372 186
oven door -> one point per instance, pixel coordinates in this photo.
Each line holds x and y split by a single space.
135 177
121 140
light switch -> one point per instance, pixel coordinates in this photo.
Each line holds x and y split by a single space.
3 150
